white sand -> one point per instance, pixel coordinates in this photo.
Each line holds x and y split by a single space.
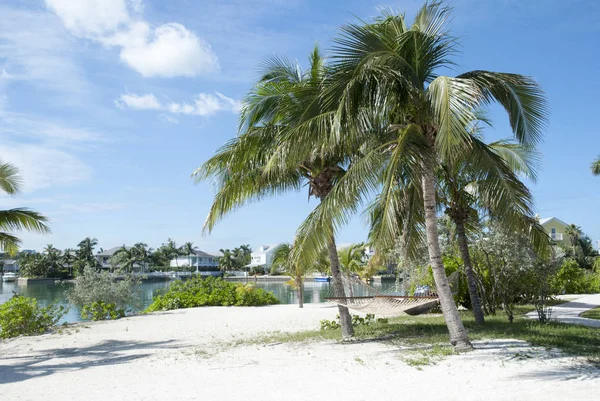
175 356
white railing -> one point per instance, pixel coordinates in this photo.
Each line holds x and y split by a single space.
556 236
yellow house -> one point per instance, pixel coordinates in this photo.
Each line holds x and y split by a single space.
556 229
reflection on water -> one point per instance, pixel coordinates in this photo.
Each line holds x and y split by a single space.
48 292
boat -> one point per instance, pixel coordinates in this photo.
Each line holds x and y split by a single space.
9 277
324 279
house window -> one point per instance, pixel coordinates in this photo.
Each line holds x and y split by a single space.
554 231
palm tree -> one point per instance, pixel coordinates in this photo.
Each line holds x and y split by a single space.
188 249
85 254
574 232
16 219
595 167
282 260
52 259
486 180
68 258
172 251
141 254
389 69
351 258
264 159
124 258
227 261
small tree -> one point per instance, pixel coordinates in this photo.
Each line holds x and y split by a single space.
282 260
100 297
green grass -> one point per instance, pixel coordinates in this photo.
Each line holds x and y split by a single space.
431 330
592 314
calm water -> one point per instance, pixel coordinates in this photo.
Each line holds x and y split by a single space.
49 292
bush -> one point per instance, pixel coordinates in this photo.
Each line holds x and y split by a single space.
102 311
22 316
210 291
572 279
98 294
357 321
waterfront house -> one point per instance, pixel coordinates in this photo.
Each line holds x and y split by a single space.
206 264
104 259
263 256
556 229
10 265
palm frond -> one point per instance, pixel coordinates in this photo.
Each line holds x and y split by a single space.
10 179
23 219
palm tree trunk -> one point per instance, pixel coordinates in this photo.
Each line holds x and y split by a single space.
466 257
458 334
338 288
300 284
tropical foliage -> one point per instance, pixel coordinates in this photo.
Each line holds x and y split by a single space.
210 292
100 296
16 219
22 316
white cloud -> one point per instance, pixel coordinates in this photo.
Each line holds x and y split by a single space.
34 47
44 166
138 102
90 18
169 50
205 104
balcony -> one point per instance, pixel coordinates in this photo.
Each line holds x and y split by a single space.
556 236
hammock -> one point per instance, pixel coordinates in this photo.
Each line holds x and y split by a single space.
386 303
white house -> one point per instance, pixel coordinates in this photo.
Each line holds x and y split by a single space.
10 265
263 256
206 264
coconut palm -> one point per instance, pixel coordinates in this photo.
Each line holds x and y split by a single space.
85 255
53 260
351 258
595 167
282 260
486 180
16 219
68 258
226 261
264 159
575 233
390 69
188 249
124 258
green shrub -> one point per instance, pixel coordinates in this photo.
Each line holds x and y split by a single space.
22 316
102 311
98 294
210 292
357 321
572 279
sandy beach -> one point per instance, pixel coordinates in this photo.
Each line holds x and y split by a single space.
187 355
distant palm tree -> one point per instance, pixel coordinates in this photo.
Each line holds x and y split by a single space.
575 233
351 258
124 258
68 258
19 218
141 253
52 259
226 261
282 259
595 167
85 254
188 249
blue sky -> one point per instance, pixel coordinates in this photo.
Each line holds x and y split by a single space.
107 106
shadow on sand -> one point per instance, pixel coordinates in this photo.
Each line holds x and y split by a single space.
20 368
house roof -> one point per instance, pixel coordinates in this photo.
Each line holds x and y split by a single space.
110 251
549 219
203 254
265 249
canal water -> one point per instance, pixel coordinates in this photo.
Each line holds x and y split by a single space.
48 292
